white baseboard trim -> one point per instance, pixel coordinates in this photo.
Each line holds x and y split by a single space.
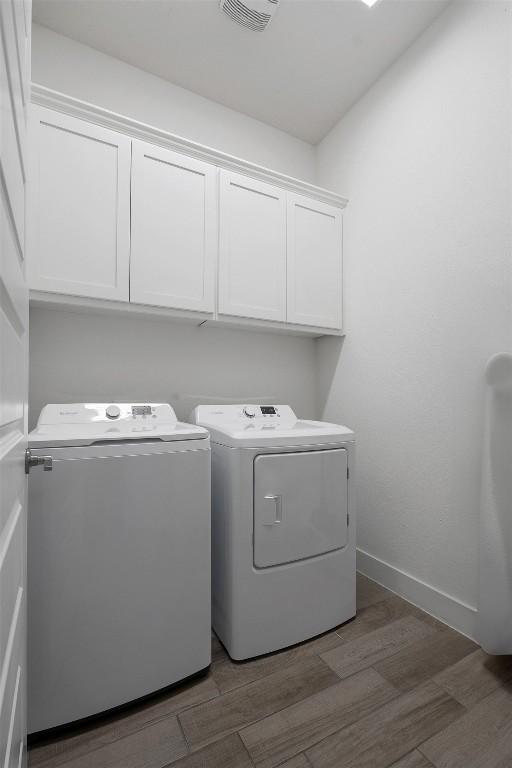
447 609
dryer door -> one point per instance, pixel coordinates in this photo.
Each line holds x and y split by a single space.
300 505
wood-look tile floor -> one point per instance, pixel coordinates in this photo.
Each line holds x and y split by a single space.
393 688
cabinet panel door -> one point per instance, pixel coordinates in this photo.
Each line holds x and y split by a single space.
314 263
80 207
252 258
174 229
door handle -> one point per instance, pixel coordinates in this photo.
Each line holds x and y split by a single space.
278 510
37 461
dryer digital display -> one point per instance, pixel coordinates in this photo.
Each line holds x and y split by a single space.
268 410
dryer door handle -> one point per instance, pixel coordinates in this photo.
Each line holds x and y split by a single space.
278 509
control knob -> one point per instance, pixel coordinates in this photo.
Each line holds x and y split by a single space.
113 412
249 411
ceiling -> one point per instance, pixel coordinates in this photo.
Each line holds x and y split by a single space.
316 58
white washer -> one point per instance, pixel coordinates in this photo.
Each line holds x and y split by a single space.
118 559
283 526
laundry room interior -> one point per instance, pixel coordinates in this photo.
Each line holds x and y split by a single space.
256 383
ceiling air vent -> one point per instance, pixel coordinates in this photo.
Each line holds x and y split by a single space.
253 14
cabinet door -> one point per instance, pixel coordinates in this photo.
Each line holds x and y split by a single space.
174 229
252 258
80 207
314 263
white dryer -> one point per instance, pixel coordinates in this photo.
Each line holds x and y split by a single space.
118 557
283 526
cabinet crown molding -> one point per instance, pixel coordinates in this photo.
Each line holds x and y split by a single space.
46 97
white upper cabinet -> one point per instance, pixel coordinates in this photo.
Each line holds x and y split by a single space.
80 201
314 276
252 248
174 229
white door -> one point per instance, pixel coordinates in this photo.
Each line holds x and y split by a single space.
252 248
300 505
314 263
79 207
15 18
174 229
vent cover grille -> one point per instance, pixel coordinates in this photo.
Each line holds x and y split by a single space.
253 14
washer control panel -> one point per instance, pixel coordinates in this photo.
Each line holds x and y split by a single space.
129 413
114 411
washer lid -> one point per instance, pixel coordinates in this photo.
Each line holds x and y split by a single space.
69 424
254 426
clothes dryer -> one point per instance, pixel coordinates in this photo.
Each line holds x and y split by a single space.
283 526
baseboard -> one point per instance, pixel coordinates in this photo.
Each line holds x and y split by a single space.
447 609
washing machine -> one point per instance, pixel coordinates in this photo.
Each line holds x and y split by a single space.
283 526
118 557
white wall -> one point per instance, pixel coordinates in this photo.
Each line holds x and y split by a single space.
425 157
76 357
81 357
83 72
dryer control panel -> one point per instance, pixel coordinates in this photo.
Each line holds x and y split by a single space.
251 411
255 425
278 415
